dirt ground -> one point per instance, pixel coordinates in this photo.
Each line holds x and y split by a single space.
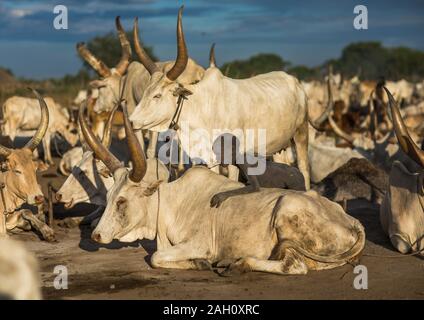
122 271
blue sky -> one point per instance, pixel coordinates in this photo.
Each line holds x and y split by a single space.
303 32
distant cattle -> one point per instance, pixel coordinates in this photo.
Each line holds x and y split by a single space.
22 114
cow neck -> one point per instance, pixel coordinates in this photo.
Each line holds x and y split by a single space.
161 239
420 189
182 95
5 195
2 193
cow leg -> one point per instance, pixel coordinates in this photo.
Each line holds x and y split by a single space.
180 159
3 231
291 264
233 173
151 149
46 232
181 256
301 144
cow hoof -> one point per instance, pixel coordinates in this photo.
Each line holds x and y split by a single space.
202 264
43 166
49 235
235 269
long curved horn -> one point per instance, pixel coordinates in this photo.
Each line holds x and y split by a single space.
182 55
141 53
138 158
44 123
339 131
99 150
212 61
405 141
95 63
123 64
107 134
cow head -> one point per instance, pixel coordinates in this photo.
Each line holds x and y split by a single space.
109 85
90 179
126 216
19 170
158 103
71 133
402 212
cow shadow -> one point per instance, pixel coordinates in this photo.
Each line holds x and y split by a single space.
369 216
87 244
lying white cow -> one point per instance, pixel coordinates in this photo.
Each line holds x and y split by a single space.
70 159
402 212
273 230
18 183
90 179
23 114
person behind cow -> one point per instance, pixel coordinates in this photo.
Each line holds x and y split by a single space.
276 175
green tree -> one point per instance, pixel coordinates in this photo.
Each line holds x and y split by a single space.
372 60
304 72
260 63
108 49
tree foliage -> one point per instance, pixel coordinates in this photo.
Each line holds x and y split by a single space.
369 60
261 63
304 72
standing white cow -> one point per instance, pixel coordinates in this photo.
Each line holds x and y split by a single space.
273 101
134 75
402 211
23 114
273 230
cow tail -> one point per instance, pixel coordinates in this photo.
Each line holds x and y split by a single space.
345 257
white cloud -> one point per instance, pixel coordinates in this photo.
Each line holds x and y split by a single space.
20 13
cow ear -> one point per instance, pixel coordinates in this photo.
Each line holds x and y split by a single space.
96 84
151 189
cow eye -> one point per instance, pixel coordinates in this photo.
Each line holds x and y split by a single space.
157 96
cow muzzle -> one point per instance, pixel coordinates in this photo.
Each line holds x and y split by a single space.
96 237
35 200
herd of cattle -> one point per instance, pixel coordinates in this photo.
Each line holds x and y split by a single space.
351 139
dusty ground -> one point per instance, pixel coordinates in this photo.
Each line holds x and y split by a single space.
121 271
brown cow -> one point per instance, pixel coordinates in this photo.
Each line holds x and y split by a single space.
18 183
